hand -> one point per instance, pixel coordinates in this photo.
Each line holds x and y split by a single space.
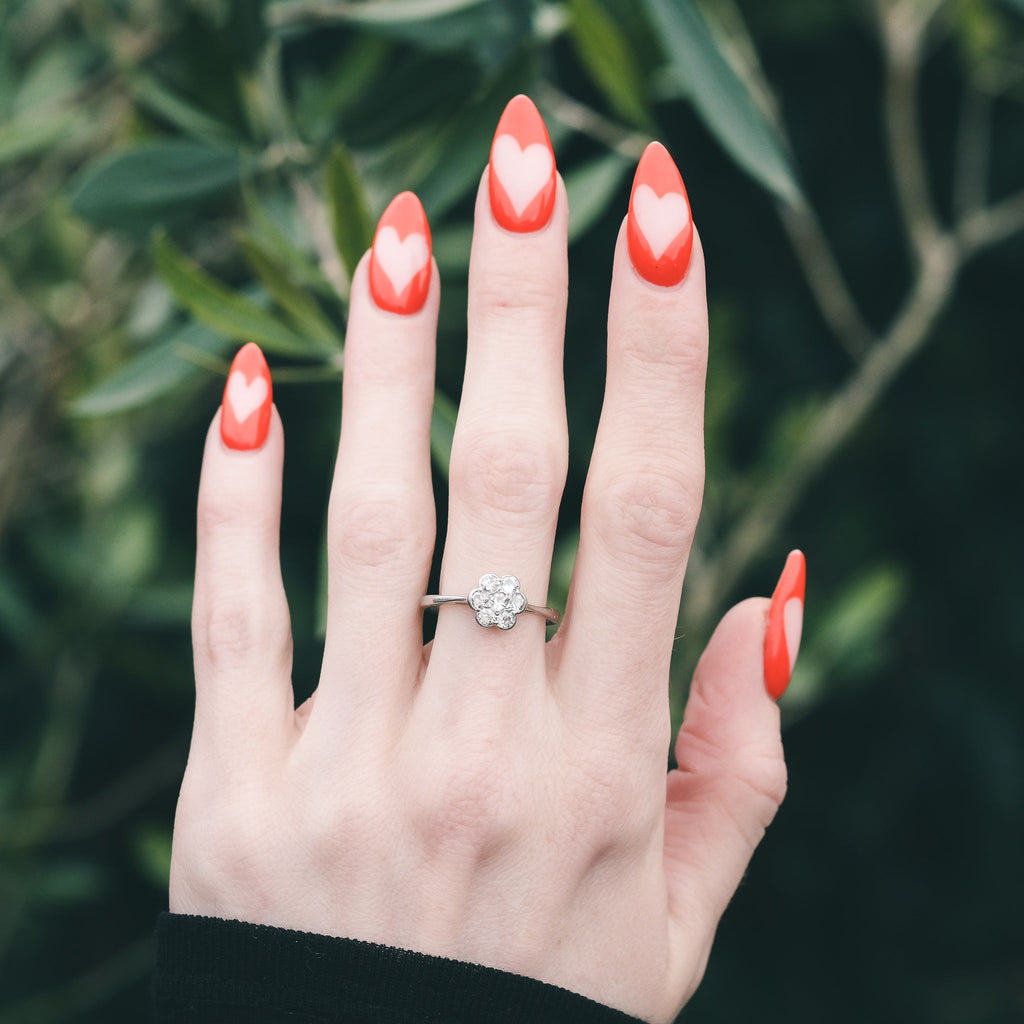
490 797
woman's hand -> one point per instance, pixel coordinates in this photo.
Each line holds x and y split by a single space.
489 798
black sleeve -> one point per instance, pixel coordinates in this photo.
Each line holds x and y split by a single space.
229 972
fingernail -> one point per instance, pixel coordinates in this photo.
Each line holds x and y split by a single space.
248 396
659 229
400 261
521 182
785 623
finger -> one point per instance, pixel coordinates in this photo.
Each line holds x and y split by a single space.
510 448
240 628
644 487
381 519
731 776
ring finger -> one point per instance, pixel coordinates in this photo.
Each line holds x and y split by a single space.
510 448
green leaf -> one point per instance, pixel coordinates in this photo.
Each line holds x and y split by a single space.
397 12
229 314
161 100
30 135
604 52
264 229
153 183
429 24
721 98
442 431
158 370
351 222
304 310
590 187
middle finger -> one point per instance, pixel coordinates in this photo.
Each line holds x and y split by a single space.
509 453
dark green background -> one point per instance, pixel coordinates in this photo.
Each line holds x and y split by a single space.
140 139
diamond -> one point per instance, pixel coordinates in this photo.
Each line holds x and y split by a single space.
497 601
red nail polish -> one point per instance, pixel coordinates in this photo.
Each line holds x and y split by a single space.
248 396
785 623
400 260
521 182
659 228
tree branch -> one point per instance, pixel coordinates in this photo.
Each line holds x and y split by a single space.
832 427
902 27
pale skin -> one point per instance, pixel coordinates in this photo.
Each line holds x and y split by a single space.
490 798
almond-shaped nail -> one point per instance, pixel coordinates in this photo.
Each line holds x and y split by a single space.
400 261
785 624
659 229
248 397
521 182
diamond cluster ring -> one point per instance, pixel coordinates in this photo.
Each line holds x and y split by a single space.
497 601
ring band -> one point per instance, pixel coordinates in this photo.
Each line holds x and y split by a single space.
497 601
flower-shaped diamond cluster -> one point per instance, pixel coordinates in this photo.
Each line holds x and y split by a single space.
497 601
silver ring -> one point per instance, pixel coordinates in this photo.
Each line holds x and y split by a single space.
497 601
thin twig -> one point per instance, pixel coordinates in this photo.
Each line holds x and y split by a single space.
314 213
587 121
983 228
825 279
902 27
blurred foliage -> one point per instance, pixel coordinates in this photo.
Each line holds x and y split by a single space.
179 177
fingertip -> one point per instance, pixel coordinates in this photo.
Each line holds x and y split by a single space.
248 396
784 625
521 178
401 267
659 224
367 316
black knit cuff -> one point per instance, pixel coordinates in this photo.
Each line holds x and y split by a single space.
229 972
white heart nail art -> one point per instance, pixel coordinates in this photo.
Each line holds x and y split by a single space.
245 396
400 259
793 624
522 172
660 218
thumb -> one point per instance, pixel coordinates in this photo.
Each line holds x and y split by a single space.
731 777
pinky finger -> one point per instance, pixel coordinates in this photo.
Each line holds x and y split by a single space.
241 633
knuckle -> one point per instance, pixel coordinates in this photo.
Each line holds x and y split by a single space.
214 514
373 532
754 777
336 823
613 806
224 854
650 515
514 304
229 632
657 357
464 807
509 474
768 778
